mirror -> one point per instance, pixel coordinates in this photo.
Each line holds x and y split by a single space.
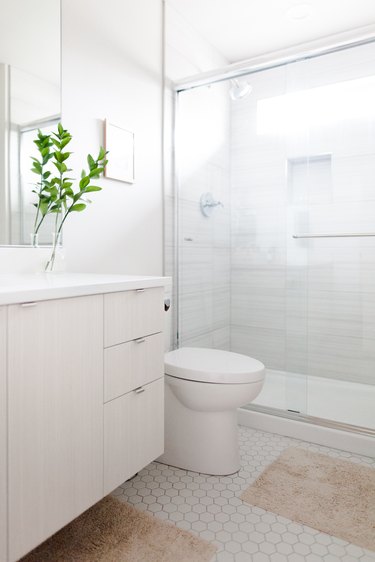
30 99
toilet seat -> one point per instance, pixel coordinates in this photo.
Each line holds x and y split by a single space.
212 366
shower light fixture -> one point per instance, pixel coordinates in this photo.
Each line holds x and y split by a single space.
239 89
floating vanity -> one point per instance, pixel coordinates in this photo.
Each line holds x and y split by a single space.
81 396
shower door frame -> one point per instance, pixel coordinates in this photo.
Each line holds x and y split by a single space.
315 49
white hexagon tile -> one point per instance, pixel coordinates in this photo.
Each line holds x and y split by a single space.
210 506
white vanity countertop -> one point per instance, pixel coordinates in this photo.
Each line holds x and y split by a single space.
21 288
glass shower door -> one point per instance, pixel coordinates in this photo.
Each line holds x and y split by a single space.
204 217
331 242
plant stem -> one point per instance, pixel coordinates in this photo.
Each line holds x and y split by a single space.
38 207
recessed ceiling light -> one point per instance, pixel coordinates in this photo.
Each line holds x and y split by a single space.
299 11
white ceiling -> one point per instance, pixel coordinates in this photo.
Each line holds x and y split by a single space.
241 29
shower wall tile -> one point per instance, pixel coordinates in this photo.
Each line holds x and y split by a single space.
261 308
353 178
244 281
343 358
211 231
196 314
217 339
245 257
203 312
266 345
342 314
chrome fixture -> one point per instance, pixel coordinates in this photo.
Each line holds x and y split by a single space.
338 235
208 204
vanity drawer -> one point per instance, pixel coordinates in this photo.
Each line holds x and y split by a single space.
132 364
132 314
133 433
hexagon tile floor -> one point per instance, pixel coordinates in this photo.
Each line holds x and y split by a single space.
210 506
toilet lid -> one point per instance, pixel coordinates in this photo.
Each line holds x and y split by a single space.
213 365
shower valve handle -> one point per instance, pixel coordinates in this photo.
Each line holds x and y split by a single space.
208 204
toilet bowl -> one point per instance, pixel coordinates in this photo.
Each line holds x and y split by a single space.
203 389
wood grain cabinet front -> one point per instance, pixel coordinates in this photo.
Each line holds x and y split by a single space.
132 364
133 433
81 407
55 424
133 314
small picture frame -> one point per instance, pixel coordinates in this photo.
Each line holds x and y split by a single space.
119 142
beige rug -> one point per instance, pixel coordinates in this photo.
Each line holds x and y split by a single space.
113 531
331 495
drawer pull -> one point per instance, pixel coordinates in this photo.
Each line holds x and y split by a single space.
139 390
28 304
139 290
140 340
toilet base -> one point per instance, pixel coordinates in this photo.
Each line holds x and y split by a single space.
200 441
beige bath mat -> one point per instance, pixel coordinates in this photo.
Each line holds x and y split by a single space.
331 495
113 531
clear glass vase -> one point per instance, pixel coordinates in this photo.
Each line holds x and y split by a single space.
56 260
34 239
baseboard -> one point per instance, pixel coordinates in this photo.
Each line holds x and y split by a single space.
343 440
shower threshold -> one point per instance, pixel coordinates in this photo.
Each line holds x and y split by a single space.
290 415
334 403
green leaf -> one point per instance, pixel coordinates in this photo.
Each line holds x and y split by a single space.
60 129
93 188
84 182
91 162
58 156
37 168
62 168
65 141
78 207
43 207
102 153
57 143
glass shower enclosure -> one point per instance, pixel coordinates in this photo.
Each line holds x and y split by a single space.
275 230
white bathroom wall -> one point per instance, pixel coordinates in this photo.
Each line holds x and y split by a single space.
203 146
112 68
306 306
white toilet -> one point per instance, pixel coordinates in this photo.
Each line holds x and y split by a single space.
203 389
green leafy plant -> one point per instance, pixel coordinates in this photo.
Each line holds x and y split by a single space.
58 194
43 144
